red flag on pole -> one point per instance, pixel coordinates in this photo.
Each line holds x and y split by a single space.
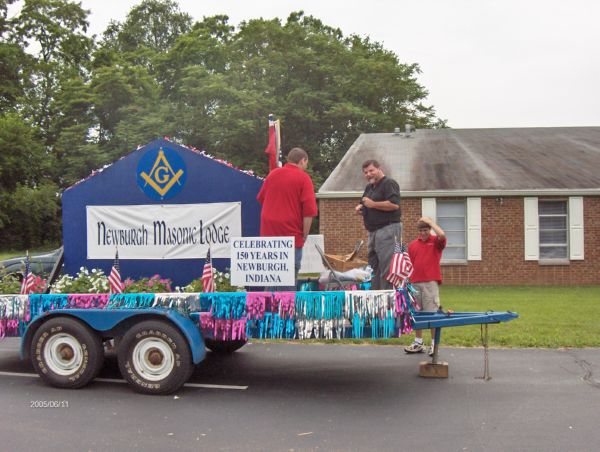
208 280
114 279
273 148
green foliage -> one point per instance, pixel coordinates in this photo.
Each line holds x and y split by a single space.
12 58
9 284
153 24
30 216
57 27
54 31
22 157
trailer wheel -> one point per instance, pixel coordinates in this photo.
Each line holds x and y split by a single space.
66 353
224 347
154 357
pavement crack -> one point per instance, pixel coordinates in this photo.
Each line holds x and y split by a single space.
588 372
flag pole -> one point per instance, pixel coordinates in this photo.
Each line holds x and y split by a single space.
278 142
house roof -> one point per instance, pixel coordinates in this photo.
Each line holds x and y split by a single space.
462 161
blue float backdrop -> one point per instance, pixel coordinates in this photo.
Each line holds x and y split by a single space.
207 181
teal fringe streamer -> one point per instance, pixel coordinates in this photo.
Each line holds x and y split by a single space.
227 305
319 305
40 303
130 301
334 303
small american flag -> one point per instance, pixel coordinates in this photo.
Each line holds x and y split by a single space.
114 279
208 280
28 278
401 266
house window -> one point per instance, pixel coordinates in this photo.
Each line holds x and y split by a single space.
451 216
553 229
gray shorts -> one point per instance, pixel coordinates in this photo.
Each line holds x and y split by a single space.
428 295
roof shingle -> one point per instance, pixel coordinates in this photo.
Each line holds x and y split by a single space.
476 159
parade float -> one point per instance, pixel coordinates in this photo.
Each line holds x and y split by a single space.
165 208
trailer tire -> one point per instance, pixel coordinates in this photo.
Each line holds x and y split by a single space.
154 357
224 347
66 353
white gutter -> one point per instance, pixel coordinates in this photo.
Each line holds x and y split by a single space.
465 193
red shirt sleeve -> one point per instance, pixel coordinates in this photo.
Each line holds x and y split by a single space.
308 199
441 244
261 194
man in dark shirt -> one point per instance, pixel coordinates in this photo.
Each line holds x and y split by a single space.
380 208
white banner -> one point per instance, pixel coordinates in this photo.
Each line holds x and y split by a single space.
262 261
170 231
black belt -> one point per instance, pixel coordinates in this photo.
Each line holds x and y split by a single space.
383 226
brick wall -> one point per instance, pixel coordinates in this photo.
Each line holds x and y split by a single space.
502 231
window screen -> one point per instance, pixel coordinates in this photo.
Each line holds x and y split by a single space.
553 229
451 216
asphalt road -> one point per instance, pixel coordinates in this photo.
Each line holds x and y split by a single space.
297 397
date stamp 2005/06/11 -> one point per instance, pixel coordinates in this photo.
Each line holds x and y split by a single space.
49 404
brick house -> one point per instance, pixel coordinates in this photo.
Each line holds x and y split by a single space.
519 206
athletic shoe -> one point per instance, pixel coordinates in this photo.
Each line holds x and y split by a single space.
430 353
415 347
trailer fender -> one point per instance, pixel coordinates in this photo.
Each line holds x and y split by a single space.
103 320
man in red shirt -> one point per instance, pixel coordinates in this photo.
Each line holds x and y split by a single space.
425 253
288 203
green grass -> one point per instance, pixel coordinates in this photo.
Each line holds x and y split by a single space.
7 254
549 317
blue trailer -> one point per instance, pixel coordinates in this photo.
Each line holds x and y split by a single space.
158 347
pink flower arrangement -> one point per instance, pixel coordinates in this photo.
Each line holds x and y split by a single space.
147 285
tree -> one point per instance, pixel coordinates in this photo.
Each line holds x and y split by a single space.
213 86
75 149
22 157
203 47
32 216
128 108
150 28
56 29
12 62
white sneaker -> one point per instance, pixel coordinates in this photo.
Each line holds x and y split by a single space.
415 347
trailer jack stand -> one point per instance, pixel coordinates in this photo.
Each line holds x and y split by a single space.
435 368
431 370
486 353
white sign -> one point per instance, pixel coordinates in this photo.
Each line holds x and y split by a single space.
311 259
262 261
170 231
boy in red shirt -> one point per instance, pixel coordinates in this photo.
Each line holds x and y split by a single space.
425 253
